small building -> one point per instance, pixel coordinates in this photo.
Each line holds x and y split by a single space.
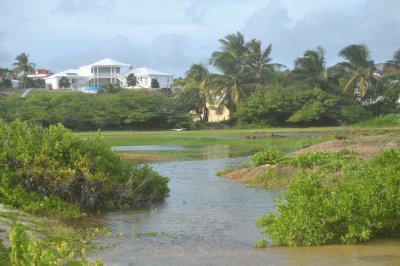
40 74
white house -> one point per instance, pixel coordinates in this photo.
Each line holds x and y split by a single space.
108 71
145 75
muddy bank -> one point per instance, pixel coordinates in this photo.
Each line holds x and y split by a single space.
363 147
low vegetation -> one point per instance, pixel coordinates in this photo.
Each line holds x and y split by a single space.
50 172
359 202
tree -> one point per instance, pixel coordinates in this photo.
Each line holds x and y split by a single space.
311 67
22 65
155 84
230 60
245 66
131 80
191 99
258 62
197 73
392 77
111 88
358 69
64 83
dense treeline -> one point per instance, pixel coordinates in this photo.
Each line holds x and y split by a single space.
51 171
123 110
258 91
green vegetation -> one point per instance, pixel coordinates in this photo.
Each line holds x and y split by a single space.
257 91
119 110
50 171
26 251
267 156
336 198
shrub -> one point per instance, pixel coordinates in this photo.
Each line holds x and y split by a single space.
50 170
26 251
364 203
330 161
267 156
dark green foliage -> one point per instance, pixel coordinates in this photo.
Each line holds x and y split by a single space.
64 83
267 156
191 99
5 83
50 171
111 88
77 111
131 80
283 105
363 203
155 84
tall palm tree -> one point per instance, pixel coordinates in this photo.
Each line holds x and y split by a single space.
230 60
259 63
22 65
312 66
358 69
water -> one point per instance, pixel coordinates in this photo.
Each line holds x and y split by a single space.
149 148
208 220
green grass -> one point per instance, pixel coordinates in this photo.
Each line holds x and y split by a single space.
222 143
207 144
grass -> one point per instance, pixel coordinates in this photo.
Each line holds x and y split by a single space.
207 144
222 143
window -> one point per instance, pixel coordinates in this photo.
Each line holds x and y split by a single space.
219 110
117 70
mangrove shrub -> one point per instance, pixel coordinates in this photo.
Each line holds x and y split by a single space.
363 203
45 168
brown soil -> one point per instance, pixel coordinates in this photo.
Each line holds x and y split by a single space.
364 147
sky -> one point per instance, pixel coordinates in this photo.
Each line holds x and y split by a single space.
172 35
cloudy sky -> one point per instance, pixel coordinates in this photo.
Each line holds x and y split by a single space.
171 35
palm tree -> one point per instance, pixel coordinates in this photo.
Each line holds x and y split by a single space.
259 63
311 66
197 73
358 69
231 61
392 76
22 65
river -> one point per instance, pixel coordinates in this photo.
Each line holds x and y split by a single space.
208 220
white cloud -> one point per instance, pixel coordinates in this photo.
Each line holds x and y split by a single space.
82 6
332 30
197 11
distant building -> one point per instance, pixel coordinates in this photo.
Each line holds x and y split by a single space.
108 71
40 74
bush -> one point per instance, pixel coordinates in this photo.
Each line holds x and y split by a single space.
330 161
389 120
267 156
26 251
364 203
51 171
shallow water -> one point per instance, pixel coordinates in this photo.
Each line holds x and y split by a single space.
150 148
208 220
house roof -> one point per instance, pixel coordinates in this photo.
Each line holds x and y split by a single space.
109 62
144 71
65 73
